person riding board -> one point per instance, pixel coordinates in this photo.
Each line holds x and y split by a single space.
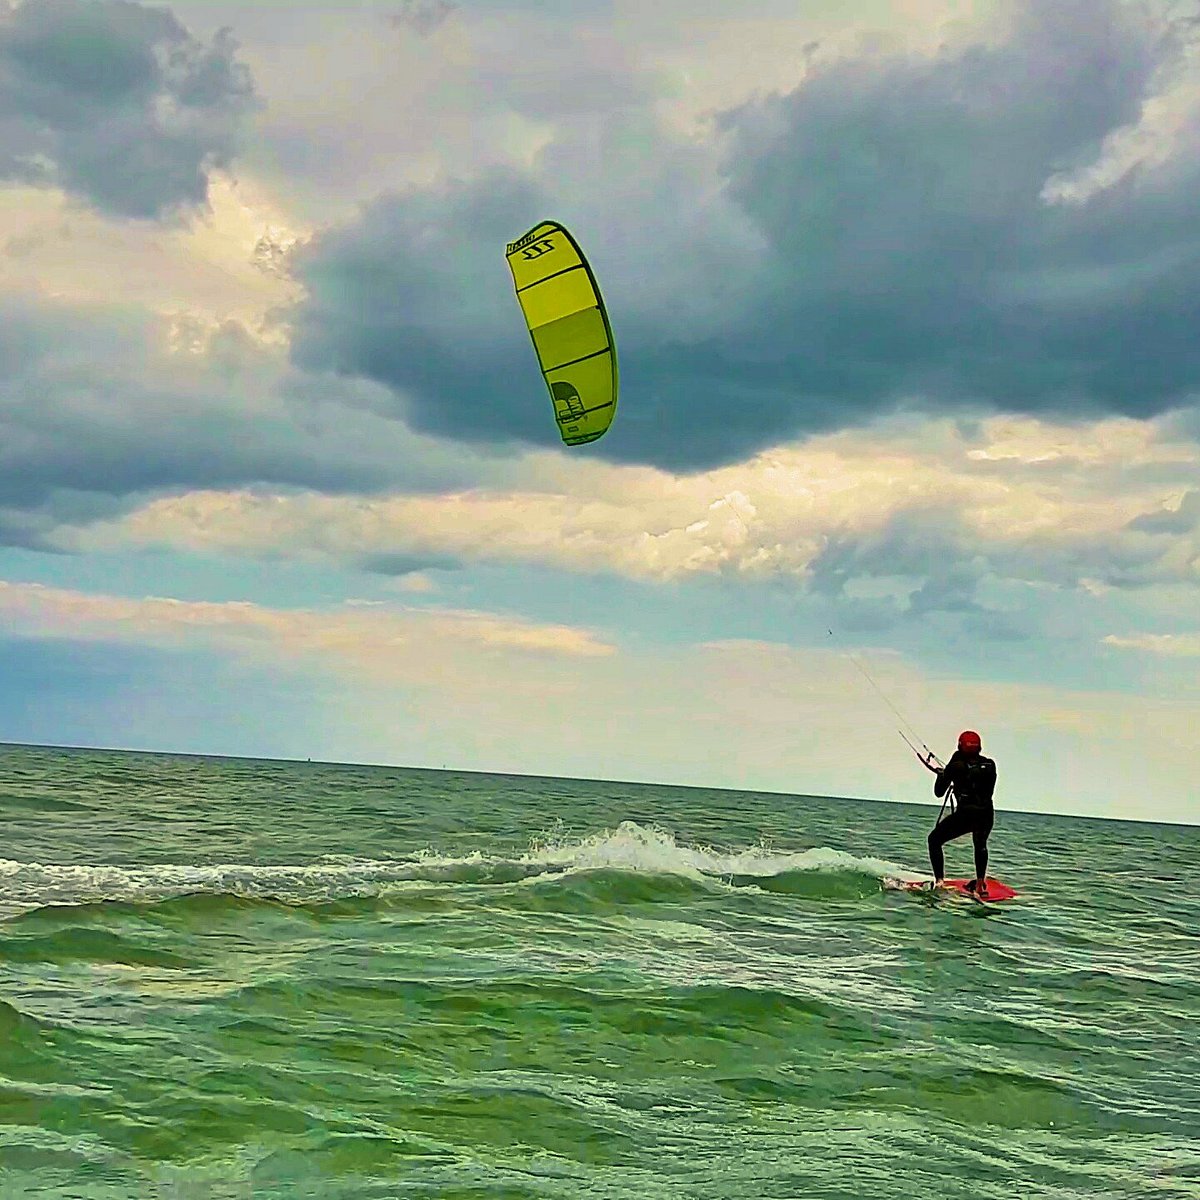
973 778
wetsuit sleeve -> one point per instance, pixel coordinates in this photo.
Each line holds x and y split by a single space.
945 777
988 785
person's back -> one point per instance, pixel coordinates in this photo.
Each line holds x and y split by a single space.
973 778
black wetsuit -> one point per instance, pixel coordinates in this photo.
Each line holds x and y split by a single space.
973 778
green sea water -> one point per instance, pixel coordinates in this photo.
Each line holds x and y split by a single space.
234 979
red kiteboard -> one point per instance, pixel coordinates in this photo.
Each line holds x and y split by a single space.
995 889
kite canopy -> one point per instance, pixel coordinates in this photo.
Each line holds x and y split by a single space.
566 317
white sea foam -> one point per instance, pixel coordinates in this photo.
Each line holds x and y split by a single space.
635 847
628 847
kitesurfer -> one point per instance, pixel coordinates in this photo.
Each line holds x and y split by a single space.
973 778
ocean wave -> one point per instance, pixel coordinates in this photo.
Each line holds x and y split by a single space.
630 850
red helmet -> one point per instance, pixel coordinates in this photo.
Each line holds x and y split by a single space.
969 740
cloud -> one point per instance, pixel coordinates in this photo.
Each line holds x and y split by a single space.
1181 517
407 569
118 104
915 255
414 293
1161 132
929 510
99 404
423 17
406 297
222 265
1163 645
416 582
372 642
879 236
380 109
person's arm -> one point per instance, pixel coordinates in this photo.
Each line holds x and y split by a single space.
988 786
945 777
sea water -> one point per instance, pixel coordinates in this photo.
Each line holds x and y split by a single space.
234 979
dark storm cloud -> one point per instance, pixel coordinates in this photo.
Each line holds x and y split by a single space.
416 295
94 415
918 255
117 103
909 253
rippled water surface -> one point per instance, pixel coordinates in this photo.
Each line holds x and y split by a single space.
238 979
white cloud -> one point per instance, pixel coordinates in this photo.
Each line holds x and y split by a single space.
416 582
369 642
1033 498
217 267
1163 645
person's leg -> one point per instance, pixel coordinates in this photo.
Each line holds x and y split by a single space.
979 835
954 826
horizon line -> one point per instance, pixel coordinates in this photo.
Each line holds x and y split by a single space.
699 787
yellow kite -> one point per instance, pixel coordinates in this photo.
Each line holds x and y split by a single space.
568 323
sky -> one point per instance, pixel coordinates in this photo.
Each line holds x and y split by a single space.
904 296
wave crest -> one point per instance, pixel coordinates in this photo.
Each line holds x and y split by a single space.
629 848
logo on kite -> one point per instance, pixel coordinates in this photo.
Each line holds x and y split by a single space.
568 324
537 248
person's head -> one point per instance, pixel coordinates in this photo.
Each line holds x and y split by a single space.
969 743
